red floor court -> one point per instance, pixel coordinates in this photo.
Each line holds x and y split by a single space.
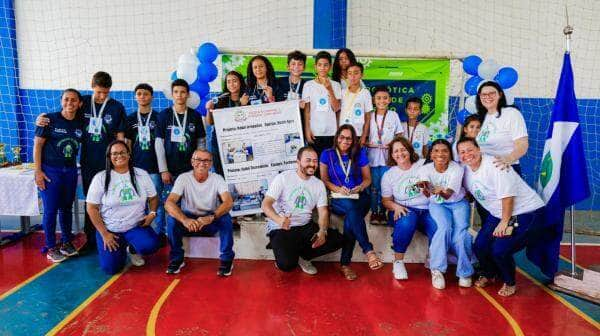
259 300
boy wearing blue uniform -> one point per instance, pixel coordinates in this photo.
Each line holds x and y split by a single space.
55 157
141 133
180 132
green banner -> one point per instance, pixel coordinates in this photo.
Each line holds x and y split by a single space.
426 79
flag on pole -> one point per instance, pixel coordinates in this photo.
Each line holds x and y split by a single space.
563 179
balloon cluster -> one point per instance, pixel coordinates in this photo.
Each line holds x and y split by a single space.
196 68
484 71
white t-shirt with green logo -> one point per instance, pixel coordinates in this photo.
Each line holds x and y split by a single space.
401 184
489 185
450 179
121 207
199 198
498 134
296 197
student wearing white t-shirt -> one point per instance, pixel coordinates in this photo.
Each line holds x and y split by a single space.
116 202
441 181
509 201
385 125
322 96
288 205
416 132
408 207
205 205
357 104
503 133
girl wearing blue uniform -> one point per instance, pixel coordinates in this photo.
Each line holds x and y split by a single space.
55 156
260 79
346 174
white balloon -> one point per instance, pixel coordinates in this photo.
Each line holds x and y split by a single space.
488 69
188 58
193 100
187 71
167 91
470 104
510 97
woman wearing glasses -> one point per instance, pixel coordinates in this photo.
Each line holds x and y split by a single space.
117 201
346 174
503 133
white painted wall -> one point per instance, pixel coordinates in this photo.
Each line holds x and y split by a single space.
62 42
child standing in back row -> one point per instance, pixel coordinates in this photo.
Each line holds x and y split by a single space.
384 126
416 132
357 104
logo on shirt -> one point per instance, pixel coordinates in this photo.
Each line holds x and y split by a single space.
60 130
322 101
126 192
108 119
478 188
408 187
68 151
300 198
484 134
191 127
416 145
78 133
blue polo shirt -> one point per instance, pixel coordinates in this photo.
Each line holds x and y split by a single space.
93 148
336 172
284 88
63 138
179 155
144 156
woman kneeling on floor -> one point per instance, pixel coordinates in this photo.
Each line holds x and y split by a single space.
516 212
345 172
117 201
408 207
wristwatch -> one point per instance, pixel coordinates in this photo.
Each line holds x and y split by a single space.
152 213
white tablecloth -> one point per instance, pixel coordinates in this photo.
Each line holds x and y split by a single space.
18 192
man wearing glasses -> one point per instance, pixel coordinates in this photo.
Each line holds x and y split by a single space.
205 205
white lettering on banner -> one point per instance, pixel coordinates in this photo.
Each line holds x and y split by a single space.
257 142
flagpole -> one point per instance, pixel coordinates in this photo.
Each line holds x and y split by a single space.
568 31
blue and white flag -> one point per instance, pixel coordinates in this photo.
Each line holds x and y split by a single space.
563 178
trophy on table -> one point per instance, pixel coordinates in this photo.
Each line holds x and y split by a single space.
3 161
16 155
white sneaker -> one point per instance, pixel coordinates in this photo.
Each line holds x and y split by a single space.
437 279
136 259
399 270
465 282
307 267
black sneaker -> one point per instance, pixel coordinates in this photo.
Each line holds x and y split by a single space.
225 268
87 248
175 266
67 249
54 255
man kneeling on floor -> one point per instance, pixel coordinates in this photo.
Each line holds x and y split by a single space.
288 204
205 205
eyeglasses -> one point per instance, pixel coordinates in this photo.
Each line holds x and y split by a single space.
202 161
345 138
115 154
488 95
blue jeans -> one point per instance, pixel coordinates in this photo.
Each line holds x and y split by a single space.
160 222
143 239
405 227
355 228
58 198
223 225
452 233
375 189
495 255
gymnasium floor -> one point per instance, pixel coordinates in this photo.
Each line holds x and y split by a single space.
76 298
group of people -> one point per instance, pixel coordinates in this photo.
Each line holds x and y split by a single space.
153 168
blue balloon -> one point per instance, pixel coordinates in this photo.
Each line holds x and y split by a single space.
507 77
200 87
471 63
208 52
174 75
207 72
462 115
202 107
472 84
